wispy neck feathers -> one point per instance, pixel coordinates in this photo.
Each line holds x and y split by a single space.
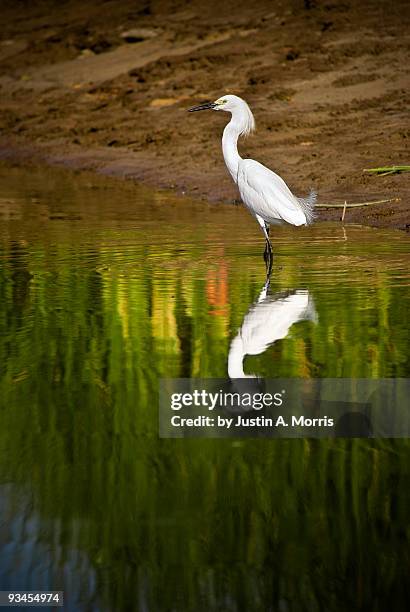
242 119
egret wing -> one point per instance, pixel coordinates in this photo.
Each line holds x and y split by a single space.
267 194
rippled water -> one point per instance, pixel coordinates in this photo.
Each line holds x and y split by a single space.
104 288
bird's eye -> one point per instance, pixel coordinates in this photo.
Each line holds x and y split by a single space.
224 101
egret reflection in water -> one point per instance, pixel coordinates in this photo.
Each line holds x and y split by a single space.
268 319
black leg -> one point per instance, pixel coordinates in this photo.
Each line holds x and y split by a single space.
268 257
268 246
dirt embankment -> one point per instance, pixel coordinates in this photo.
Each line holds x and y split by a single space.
105 85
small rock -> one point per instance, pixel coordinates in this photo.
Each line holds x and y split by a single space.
292 54
85 53
138 35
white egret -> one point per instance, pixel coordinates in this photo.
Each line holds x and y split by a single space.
263 192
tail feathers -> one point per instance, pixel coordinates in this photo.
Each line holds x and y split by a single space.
308 206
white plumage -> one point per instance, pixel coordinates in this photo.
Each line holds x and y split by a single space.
269 319
264 193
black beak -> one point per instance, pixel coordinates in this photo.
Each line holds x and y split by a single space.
205 106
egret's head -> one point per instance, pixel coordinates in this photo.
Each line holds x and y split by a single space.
232 104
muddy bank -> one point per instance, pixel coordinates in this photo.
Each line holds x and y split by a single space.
105 86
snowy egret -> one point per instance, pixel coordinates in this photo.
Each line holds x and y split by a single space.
263 192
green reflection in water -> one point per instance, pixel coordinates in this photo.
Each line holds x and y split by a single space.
103 290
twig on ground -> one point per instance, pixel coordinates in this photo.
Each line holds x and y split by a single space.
384 171
356 204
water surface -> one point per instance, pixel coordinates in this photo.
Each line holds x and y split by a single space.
105 288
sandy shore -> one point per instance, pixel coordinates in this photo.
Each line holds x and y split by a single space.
105 86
